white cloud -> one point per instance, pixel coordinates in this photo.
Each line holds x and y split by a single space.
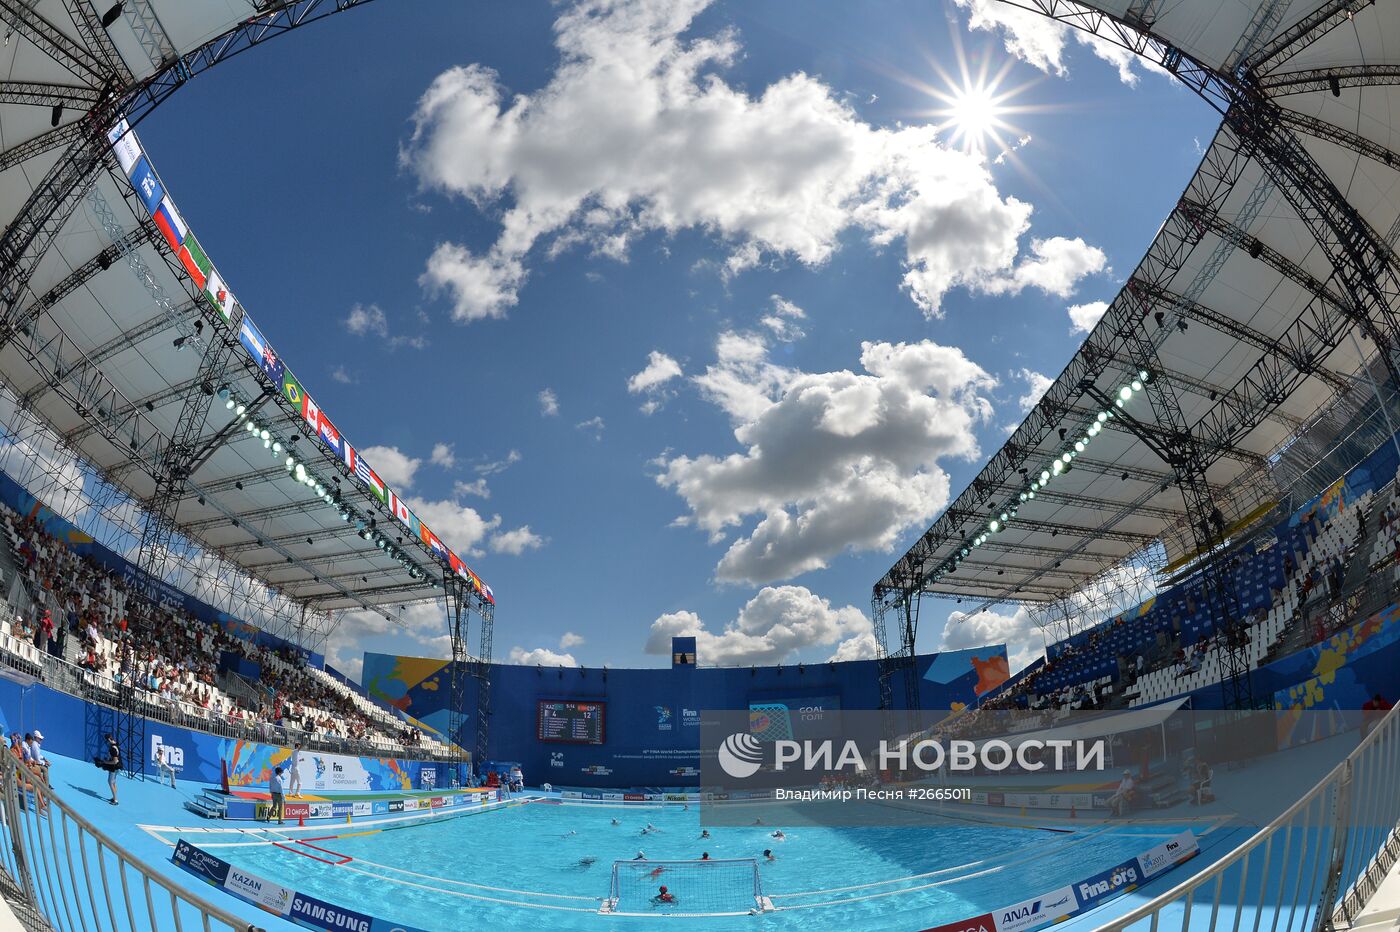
419 623
1021 637
393 466
460 527
517 541
370 320
443 455
366 319
480 286
498 466
1083 317
637 131
1036 386
340 375
593 425
477 488
1042 42
828 461
542 657
569 640
549 402
1055 266
776 625
780 323
659 370
652 380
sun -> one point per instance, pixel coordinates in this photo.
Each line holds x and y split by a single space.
975 114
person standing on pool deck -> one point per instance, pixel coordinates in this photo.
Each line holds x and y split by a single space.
294 765
274 786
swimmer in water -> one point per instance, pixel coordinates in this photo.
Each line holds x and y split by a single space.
663 896
641 856
704 833
615 822
757 821
657 872
704 855
568 833
586 863
779 835
768 854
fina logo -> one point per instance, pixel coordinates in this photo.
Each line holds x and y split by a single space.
320 767
1120 877
663 717
159 748
740 755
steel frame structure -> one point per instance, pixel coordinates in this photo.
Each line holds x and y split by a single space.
1361 292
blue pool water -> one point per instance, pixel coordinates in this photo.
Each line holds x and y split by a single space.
521 867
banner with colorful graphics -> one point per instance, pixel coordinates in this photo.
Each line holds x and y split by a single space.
196 263
300 908
1059 905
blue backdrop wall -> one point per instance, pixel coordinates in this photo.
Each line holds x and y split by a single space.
653 715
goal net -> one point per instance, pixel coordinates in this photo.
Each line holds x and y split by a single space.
725 887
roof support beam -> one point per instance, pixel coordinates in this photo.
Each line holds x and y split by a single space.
1312 80
30 93
1304 32
52 41
1321 129
55 138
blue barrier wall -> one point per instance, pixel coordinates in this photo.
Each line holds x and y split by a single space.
202 756
653 715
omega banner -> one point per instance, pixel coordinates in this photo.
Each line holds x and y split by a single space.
859 768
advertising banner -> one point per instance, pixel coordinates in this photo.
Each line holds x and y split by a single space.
304 910
1070 900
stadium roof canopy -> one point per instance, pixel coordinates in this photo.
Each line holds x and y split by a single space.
103 332
1238 308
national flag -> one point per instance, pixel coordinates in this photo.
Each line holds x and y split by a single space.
439 547
292 390
252 340
310 412
348 453
171 224
457 566
329 435
219 295
194 260
272 364
125 145
147 185
368 477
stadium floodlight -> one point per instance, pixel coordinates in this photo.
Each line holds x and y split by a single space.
1144 375
1137 385
224 391
993 525
1003 517
1066 458
229 404
277 447
1079 446
265 434
1031 494
1125 392
1056 467
240 409
300 472
1023 496
1044 476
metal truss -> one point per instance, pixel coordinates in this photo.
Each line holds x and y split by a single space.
64 135
36 94
1302 34
1330 132
52 41
95 39
1310 80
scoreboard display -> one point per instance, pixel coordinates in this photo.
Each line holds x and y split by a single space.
572 722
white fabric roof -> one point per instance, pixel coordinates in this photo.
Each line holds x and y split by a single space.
1252 271
100 325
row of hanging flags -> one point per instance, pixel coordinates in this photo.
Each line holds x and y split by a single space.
181 239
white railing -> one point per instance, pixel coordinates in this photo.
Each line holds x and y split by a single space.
57 868
1311 868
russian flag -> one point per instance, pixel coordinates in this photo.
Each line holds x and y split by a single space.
171 225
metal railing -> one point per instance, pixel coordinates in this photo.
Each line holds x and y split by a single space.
1312 868
61 872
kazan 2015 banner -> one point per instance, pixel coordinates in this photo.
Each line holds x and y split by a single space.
201 270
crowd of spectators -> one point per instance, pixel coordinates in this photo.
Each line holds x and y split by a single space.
170 655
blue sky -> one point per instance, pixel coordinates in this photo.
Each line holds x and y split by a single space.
779 314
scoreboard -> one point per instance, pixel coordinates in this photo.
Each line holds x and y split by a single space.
572 722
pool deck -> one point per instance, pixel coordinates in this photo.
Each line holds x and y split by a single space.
152 816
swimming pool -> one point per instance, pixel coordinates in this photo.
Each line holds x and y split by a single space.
548 865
